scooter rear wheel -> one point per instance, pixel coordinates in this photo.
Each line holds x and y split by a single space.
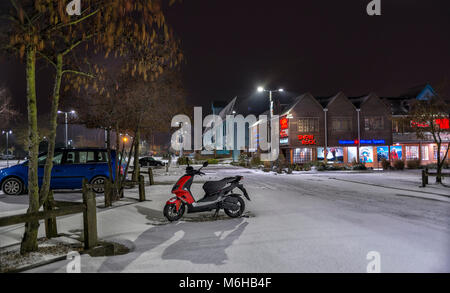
238 212
171 213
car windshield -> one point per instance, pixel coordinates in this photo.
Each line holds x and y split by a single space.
56 159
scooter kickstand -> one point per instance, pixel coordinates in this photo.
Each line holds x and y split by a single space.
216 214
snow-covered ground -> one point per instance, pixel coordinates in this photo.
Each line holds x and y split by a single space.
305 222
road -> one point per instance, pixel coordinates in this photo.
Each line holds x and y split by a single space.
297 223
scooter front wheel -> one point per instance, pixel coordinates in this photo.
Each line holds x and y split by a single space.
171 213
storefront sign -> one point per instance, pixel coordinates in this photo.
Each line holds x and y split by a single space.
443 124
284 123
363 141
284 133
307 139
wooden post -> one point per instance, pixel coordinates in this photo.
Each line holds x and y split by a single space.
426 175
150 176
141 188
50 223
108 193
89 217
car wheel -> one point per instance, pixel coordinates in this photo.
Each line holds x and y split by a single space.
98 180
12 186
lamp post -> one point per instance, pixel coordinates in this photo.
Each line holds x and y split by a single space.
260 90
8 132
66 115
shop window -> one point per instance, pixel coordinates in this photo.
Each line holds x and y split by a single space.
412 152
424 150
341 124
308 125
443 150
352 154
374 123
302 155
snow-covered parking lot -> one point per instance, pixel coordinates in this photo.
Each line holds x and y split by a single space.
305 222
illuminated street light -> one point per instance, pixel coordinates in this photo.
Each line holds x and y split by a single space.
7 132
65 121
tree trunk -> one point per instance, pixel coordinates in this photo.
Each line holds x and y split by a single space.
29 240
117 165
439 164
112 194
137 166
45 188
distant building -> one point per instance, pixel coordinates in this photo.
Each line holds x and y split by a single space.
343 130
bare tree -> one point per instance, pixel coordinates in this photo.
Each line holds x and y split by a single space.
429 118
7 112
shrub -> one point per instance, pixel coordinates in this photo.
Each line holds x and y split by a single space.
213 161
255 161
184 161
413 164
386 164
359 166
399 165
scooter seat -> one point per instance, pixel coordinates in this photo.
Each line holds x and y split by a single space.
212 187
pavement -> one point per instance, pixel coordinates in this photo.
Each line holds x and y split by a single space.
305 222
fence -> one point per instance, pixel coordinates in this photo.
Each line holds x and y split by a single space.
426 173
54 209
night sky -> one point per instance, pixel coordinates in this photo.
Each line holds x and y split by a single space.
316 46
321 47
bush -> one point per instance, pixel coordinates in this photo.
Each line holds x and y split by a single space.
184 161
213 161
413 164
359 166
399 165
386 164
255 161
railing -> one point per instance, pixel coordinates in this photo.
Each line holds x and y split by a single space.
426 173
54 209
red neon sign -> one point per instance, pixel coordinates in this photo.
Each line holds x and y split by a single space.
307 139
284 133
443 124
284 123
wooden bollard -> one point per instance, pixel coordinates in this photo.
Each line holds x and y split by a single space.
51 229
89 217
150 176
141 188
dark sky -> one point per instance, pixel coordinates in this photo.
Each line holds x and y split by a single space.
319 46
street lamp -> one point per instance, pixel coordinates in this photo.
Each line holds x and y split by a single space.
261 89
66 114
280 90
8 132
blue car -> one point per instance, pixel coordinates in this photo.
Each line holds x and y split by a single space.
70 166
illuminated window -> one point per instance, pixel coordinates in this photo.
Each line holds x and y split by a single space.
412 152
308 125
374 123
302 155
443 150
424 151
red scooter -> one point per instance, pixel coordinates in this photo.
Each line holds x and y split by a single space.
218 195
